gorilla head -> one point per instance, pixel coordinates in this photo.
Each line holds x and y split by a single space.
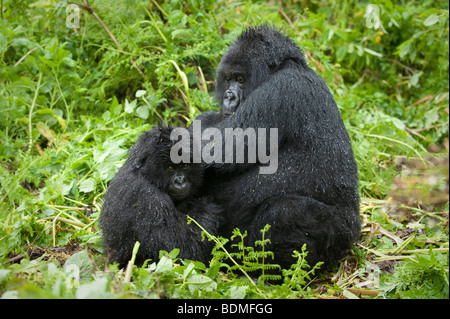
231 82
180 180
250 61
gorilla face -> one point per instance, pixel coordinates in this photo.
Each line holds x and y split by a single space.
232 86
180 186
233 94
179 180
251 61
150 158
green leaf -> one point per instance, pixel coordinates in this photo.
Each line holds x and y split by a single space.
87 186
201 282
140 93
188 270
414 80
4 274
341 53
143 112
373 52
129 107
238 292
164 264
97 289
81 261
432 19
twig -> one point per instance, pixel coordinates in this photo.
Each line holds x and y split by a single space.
89 9
370 250
15 259
78 210
401 64
26 54
395 238
417 130
414 132
284 14
422 100
67 207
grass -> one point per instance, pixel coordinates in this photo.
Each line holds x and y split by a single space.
74 100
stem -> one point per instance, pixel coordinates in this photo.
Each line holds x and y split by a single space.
65 102
156 27
65 220
30 114
416 251
263 255
78 210
159 8
226 252
131 263
393 140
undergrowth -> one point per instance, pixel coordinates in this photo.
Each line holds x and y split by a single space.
73 100
87 275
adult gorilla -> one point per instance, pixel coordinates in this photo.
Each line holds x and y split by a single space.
264 82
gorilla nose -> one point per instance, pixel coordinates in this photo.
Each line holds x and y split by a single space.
230 95
179 181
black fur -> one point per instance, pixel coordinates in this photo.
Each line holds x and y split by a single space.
137 206
313 197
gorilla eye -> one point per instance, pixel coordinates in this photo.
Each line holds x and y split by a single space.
240 79
185 166
227 78
171 168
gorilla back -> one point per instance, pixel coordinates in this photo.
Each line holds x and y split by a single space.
313 196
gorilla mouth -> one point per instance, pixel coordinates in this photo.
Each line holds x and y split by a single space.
178 195
231 101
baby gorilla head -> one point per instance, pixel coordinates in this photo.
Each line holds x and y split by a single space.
179 180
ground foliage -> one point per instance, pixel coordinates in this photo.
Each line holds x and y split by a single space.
73 100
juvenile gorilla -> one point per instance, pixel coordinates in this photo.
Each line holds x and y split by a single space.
148 200
264 82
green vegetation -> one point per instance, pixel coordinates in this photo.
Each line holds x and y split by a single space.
74 99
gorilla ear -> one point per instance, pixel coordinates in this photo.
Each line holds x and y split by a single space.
161 125
164 131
